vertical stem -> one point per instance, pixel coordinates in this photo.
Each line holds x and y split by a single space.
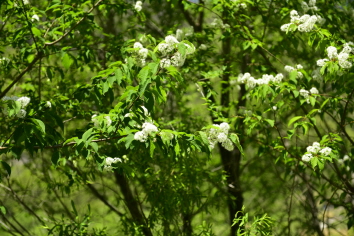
132 203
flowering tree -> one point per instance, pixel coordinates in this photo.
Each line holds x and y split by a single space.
176 117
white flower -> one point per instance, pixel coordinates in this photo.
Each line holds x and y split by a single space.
307 157
345 64
203 47
35 17
146 112
285 27
346 157
171 40
227 144
165 63
164 48
138 45
326 151
190 49
110 160
242 5
143 52
299 67
149 128
108 120
95 121
289 68
314 90
312 3
321 62
25 2
274 108
224 127
21 113
138 6
23 101
221 137
48 104
332 52
177 59
304 93
140 136
251 82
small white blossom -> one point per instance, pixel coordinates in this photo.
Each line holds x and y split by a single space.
203 47
304 93
24 101
274 108
221 137
224 127
21 113
332 52
149 128
228 145
171 40
322 62
140 136
138 45
35 17
138 6
326 151
108 120
307 157
165 63
95 121
289 68
314 90
25 2
48 104
143 52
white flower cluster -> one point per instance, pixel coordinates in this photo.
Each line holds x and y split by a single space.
219 134
251 82
310 6
305 93
96 122
167 47
142 54
35 17
48 104
138 6
24 101
342 57
297 67
315 149
217 23
148 130
109 161
304 23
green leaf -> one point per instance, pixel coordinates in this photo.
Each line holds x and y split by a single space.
36 32
39 124
152 148
234 138
294 119
94 145
7 167
128 140
271 122
119 76
55 157
3 210
87 134
143 73
67 61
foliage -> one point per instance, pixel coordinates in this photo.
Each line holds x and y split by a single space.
167 117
